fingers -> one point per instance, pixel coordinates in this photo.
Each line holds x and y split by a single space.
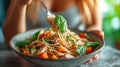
99 33
89 61
23 2
92 59
95 57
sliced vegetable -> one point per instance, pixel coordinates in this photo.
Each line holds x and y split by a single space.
61 49
74 47
41 36
60 40
54 57
47 33
89 50
24 51
61 23
22 43
82 35
43 55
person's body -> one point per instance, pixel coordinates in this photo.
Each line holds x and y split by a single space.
16 15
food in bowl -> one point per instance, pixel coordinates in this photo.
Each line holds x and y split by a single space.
57 42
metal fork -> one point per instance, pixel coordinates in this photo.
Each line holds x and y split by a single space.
47 10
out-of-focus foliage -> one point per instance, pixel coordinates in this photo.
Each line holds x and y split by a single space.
111 20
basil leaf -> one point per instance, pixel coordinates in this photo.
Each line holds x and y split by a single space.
81 50
49 41
22 43
34 37
92 44
61 23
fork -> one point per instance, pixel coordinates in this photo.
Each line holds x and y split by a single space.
47 10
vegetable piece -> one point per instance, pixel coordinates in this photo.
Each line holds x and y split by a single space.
89 50
61 49
47 33
81 50
49 41
41 36
74 47
92 44
60 40
24 51
22 43
82 35
34 37
54 57
43 55
61 23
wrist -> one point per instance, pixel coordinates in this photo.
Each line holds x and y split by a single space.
20 4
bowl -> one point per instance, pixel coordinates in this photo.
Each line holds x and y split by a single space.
54 63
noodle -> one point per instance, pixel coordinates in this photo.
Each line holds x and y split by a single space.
58 42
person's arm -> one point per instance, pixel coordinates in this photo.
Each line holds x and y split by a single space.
97 18
96 27
15 19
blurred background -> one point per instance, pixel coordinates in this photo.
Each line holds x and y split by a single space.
111 21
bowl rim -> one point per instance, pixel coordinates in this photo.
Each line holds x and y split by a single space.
96 51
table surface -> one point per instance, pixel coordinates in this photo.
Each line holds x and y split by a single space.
109 57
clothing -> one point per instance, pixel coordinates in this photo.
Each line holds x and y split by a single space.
3 8
71 15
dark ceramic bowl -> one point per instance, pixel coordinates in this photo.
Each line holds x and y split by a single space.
54 63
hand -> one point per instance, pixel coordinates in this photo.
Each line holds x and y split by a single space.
92 59
24 2
100 34
96 31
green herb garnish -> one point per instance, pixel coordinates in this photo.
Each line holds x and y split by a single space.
49 41
26 42
82 49
23 43
61 23
34 37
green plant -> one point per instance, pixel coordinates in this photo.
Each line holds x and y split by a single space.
111 20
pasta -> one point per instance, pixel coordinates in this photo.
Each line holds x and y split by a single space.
57 42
